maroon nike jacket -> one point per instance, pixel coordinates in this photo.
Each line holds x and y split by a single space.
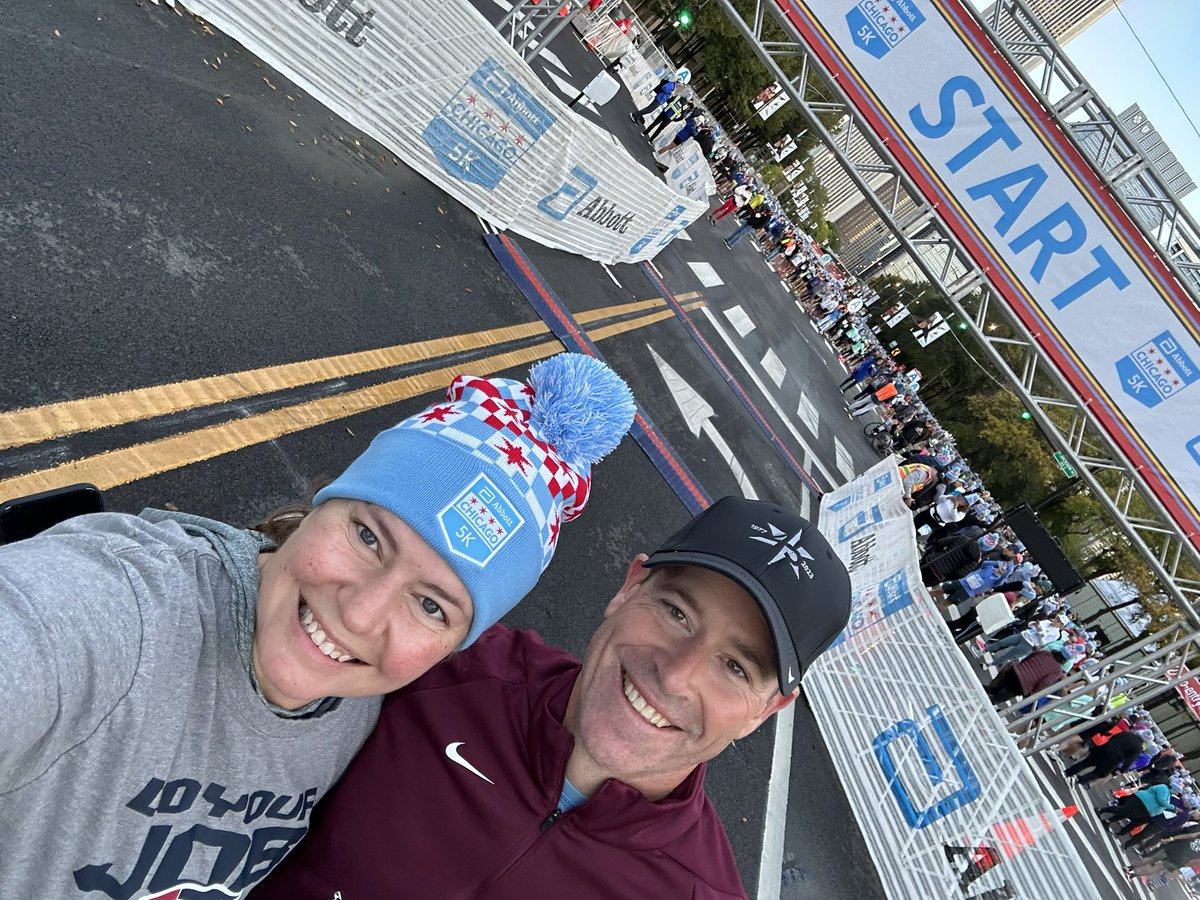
454 795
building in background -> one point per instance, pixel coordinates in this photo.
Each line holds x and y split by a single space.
1146 199
1066 19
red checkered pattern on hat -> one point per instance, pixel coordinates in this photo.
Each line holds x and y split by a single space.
505 406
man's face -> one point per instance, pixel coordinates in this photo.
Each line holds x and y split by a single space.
682 665
354 604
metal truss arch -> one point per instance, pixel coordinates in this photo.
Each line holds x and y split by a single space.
1063 416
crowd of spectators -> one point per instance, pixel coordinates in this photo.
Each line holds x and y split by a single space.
972 560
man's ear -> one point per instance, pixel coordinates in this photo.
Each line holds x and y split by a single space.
777 702
636 575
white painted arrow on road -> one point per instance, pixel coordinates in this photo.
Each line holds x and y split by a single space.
698 414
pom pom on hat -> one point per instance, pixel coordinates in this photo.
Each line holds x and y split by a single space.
583 407
488 477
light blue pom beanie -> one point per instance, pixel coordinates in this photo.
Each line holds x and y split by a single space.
488 477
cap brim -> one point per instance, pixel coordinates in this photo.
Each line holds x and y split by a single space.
788 663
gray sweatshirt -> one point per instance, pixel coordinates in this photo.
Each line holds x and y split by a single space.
137 755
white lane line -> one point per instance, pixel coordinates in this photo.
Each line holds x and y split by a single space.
812 462
743 480
707 274
808 413
553 60
806 508
569 90
683 236
770 867
1111 861
774 367
845 462
739 320
611 275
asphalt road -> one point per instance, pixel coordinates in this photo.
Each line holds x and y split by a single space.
173 210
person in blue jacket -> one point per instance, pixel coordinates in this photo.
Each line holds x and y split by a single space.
662 93
861 373
1138 808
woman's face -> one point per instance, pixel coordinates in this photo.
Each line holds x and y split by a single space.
354 604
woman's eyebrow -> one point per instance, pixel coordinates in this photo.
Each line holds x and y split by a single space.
384 529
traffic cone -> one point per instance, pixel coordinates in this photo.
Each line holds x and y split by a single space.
1015 835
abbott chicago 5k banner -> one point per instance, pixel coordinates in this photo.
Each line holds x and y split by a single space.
1034 216
437 84
948 806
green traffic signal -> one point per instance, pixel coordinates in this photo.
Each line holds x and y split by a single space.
1026 414
962 326
685 18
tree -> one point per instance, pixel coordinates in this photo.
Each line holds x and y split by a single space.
1162 613
1075 515
1119 559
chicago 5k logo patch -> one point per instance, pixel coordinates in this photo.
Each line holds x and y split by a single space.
879 25
479 521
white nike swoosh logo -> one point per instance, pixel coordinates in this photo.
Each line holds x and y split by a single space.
454 756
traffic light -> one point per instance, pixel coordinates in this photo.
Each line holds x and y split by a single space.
962 326
683 18
1026 414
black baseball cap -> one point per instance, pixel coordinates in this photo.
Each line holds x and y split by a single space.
783 562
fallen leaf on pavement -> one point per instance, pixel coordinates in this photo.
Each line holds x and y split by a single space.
219 100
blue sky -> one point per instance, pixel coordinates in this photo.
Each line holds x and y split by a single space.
1111 60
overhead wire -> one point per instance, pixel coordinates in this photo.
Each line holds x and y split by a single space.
1153 62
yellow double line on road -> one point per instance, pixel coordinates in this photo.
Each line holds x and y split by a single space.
121 466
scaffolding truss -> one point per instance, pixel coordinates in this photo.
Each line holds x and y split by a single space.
532 24
1136 183
1008 344
1061 414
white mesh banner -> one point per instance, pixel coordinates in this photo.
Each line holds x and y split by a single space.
946 803
434 82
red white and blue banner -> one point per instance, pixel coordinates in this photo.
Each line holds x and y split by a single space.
947 804
1035 218
437 84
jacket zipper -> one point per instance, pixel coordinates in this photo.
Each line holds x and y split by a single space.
520 851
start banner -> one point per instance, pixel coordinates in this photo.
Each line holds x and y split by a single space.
434 82
946 802
1034 216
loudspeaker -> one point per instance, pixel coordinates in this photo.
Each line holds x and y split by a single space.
1043 548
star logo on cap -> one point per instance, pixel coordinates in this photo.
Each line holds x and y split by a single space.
788 548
